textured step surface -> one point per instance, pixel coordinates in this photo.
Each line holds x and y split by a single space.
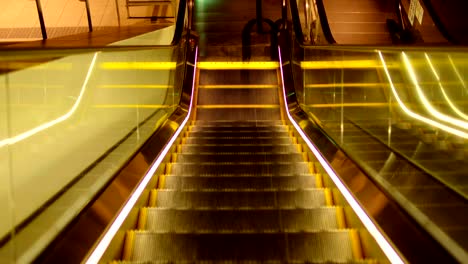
239 182
302 198
304 246
246 168
240 221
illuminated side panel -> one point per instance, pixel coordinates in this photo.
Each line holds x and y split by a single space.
389 251
449 101
112 230
24 135
411 113
425 101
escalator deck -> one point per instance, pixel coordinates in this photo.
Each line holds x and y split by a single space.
241 191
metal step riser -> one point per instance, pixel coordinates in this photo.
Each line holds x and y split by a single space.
232 169
235 134
239 157
334 246
241 199
236 148
237 123
291 182
244 141
273 220
244 128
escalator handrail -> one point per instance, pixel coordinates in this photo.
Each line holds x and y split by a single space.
438 22
325 27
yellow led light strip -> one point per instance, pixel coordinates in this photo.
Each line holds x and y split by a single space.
386 247
24 135
425 101
345 85
237 106
238 86
237 65
348 105
341 64
132 106
414 115
447 99
135 86
147 65
99 250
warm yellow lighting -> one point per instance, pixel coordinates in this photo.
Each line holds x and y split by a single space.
107 237
425 101
238 86
237 65
24 135
386 247
449 101
157 65
341 64
414 115
135 86
237 106
132 106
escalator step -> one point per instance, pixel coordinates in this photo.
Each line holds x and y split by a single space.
284 148
334 246
238 123
243 221
240 157
302 198
240 133
238 128
239 140
252 168
239 182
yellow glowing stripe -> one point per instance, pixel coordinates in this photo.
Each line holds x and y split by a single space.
24 135
425 101
345 85
238 86
348 105
131 106
414 115
340 64
98 251
157 65
450 102
386 247
455 69
136 86
229 106
237 65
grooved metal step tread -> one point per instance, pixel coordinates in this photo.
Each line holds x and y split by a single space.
238 123
271 148
238 140
305 246
241 221
302 198
240 157
252 168
278 128
238 182
239 133
231 261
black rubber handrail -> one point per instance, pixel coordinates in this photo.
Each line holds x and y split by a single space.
297 22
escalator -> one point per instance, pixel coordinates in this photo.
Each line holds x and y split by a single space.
240 186
367 22
240 173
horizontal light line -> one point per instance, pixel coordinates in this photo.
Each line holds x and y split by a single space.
230 106
131 106
238 86
135 86
374 231
348 104
339 64
345 85
157 65
237 65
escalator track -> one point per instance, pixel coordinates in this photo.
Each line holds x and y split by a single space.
241 190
